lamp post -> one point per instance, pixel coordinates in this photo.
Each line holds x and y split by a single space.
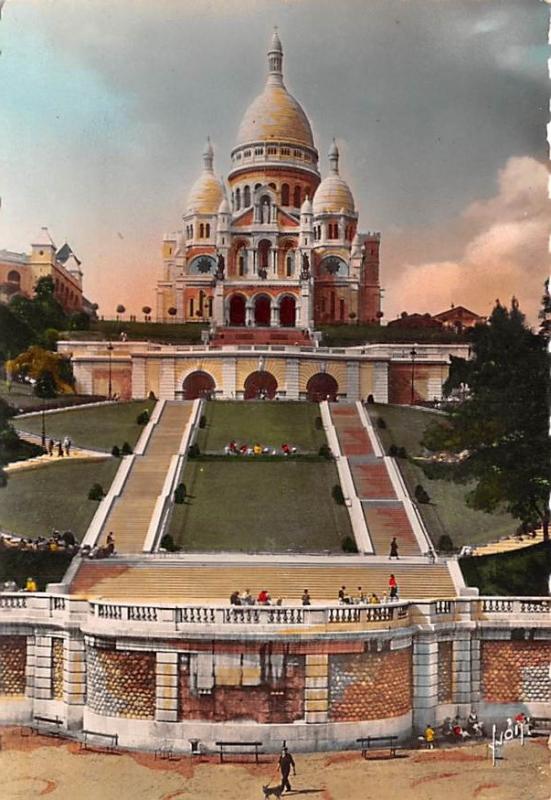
43 435
109 385
413 353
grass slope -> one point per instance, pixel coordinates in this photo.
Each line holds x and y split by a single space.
447 512
260 507
523 572
56 496
270 424
100 427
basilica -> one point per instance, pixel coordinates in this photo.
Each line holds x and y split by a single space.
278 247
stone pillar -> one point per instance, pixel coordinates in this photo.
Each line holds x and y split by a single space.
353 380
166 379
316 689
180 313
249 315
380 381
273 253
229 376
254 261
74 679
463 672
42 689
138 378
425 680
434 383
166 685
218 305
274 315
291 379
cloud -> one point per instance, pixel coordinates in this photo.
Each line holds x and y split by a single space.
504 251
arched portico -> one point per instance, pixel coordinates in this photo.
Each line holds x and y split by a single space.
287 311
322 386
236 308
260 385
262 310
198 384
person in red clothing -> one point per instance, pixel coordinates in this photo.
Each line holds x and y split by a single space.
393 587
263 598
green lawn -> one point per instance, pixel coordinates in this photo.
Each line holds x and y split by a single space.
260 507
37 500
447 512
269 424
22 397
100 427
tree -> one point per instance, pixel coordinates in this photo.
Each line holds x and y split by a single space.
146 310
172 311
120 310
37 362
40 312
501 427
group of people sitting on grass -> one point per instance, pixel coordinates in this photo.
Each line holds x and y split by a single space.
233 448
57 542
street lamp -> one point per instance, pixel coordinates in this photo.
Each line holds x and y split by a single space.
109 385
413 353
43 438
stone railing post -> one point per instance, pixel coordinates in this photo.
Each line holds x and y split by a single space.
166 686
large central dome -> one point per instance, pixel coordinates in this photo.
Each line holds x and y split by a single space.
275 115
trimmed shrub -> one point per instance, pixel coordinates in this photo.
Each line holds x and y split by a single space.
116 451
393 451
126 450
381 423
3 478
325 452
402 452
167 543
318 424
337 495
194 451
96 492
421 495
445 544
151 396
180 493
202 421
143 417
349 545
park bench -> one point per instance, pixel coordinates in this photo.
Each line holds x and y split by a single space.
239 748
378 743
43 726
109 741
540 726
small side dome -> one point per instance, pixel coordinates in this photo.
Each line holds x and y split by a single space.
333 195
306 207
224 207
207 192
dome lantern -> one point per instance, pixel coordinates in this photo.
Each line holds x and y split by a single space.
333 156
208 156
207 193
275 61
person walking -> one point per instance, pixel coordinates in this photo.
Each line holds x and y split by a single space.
67 445
286 761
59 450
51 445
393 587
393 549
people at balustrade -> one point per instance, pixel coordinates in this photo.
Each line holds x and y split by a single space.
306 599
263 598
361 598
344 598
235 600
110 543
30 585
373 599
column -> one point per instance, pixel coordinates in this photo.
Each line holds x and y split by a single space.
380 382
166 687
42 689
180 305
316 688
74 680
218 305
291 379
229 368
274 315
249 315
434 383
425 680
353 380
166 379
253 261
273 256
463 672
138 378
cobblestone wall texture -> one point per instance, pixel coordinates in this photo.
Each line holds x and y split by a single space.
57 668
369 685
121 683
516 671
445 671
272 700
13 660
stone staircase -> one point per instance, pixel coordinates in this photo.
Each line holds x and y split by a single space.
213 583
131 513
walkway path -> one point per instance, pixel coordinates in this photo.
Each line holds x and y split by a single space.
131 514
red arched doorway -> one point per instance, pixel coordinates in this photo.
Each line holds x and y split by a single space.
262 310
287 312
322 386
197 384
260 385
237 310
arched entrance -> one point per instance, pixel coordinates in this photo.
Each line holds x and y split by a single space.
264 249
287 312
262 310
197 384
322 386
237 310
260 386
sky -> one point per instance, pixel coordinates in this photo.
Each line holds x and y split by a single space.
439 108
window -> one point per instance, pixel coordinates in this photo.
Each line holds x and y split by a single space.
272 151
323 304
297 154
297 197
246 197
191 306
257 186
241 263
285 151
289 264
201 231
208 230
259 151
237 199
247 153
210 307
285 194
332 304
191 231
14 277
341 303
238 157
272 186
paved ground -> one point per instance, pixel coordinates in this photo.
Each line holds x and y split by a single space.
40 767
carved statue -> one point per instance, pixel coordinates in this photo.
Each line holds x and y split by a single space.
305 274
221 266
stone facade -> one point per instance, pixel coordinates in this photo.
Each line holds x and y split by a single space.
369 685
13 659
516 671
57 668
445 672
121 683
